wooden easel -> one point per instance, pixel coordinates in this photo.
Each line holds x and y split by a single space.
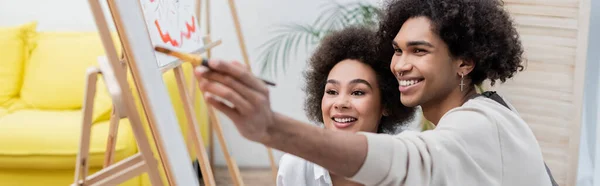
128 168
196 141
242 44
124 107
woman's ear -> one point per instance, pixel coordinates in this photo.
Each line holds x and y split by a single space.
385 112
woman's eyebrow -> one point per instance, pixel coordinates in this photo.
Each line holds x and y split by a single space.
357 81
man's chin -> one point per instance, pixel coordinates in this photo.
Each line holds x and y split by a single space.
409 101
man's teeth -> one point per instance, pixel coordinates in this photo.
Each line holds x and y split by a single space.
344 120
408 82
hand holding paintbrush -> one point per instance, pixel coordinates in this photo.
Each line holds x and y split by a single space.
194 59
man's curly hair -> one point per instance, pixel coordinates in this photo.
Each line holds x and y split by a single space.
358 43
477 30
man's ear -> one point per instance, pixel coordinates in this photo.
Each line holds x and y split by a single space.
465 66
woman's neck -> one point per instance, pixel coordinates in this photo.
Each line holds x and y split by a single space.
434 110
341 181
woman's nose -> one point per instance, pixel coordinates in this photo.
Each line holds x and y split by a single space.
342 103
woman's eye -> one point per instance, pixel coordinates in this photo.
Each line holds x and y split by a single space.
358 93
331 92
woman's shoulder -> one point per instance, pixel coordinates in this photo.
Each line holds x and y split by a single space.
292 165
291 160
294 170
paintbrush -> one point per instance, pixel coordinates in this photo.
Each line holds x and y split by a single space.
194 59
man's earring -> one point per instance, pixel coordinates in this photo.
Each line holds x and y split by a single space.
462 79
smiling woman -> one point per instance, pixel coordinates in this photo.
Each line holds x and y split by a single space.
345 69
352 100
348 89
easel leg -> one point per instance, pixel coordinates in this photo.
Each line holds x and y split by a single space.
238 30
112 137
231 165
206 40
81 168
273 165
198 143
144 146
126 103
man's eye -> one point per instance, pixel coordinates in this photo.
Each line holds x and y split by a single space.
397 50
420 51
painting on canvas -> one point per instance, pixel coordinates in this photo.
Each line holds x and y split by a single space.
172 24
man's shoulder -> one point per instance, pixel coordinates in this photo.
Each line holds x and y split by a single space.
480 109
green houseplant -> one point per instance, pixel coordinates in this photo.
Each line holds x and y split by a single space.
288 38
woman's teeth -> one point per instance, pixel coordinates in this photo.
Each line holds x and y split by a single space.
408 82
344 120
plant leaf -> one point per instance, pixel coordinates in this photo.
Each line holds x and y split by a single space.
286 51
288 38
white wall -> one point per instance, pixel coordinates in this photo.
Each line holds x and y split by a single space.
589 157
256 16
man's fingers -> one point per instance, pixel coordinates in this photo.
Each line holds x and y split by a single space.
217 89
230 112
240 73
244 91
243 65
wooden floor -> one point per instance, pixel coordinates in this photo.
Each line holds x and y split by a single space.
250 176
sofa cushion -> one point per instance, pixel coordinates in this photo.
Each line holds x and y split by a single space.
13 52
50 140
42 177
55 74
3 111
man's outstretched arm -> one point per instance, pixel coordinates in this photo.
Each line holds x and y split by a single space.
342 153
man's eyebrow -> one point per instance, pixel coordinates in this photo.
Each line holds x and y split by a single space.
416 43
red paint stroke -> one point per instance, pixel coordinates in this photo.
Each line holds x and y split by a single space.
166 37
190 29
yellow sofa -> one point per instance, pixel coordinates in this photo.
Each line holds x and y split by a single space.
42 80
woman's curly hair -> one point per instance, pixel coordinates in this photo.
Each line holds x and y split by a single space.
358 43
477 30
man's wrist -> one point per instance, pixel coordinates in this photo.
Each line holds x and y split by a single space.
283 130
272 131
